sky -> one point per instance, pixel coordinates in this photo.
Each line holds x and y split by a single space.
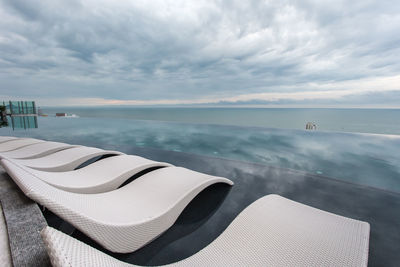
231 53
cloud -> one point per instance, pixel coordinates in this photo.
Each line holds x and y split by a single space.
182 52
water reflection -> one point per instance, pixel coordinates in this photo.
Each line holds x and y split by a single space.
24 122
359 158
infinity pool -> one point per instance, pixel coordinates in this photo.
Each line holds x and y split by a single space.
367 159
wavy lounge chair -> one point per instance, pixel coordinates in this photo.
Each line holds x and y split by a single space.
36 150
272 231
65 160
125 219
7 138
101 176
18 143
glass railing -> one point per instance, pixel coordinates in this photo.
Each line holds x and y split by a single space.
20 107
19 115
24 122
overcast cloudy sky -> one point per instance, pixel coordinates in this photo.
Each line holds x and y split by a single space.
289 53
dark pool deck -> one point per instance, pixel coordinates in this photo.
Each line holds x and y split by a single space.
211 211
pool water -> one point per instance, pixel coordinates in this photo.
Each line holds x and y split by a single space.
367 159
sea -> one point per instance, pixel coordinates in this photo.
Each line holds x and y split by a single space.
359 146
379 121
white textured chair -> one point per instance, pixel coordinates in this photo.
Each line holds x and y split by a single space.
18 143
127 218
101 176
7 138
65 160
36 150
273 231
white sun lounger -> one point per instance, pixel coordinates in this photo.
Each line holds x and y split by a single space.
273 231
65 160
18 143
127 218
101 176
7 138
36 150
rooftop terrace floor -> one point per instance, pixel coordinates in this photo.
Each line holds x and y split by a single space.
211 211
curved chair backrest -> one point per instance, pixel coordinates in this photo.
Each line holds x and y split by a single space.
18 143
65 160
36 150
101 176
7 138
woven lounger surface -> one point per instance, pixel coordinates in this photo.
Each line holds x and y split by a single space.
6 138
101 176
65 160
125 219
273 231
17 143
36 150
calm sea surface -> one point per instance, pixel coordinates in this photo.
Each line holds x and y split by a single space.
253 135
382 121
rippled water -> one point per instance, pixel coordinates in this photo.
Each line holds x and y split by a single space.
360 158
